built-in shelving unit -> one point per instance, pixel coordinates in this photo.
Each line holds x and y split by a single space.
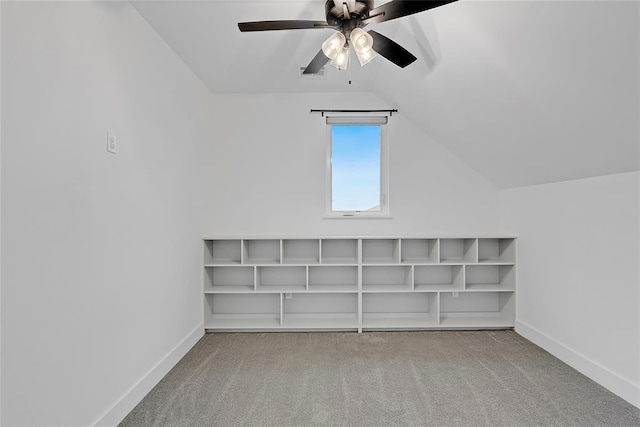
359 283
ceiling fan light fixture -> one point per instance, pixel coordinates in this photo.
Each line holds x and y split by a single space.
334 45
341 61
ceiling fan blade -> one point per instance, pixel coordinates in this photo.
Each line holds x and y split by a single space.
316 63
281 25
391 50
399 8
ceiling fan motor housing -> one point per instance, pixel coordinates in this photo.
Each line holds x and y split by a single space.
336 16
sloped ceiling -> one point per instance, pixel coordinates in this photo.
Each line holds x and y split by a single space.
525 92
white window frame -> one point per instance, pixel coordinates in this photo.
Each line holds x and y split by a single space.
384 167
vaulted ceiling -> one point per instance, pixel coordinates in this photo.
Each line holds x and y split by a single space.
525 92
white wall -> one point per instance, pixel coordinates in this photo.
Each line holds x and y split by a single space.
269 173
578 274
101 253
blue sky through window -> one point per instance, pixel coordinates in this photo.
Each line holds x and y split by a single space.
355 167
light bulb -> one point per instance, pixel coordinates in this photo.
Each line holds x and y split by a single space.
341 61
333 45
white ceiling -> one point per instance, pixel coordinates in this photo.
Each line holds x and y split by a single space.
525 92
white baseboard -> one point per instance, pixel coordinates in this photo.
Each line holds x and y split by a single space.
598 373
135 394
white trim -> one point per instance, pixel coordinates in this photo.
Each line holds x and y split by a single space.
114 415
598 373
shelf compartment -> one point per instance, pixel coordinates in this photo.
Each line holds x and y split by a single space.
497 250
321 311
339 251
281 279
419 251
477 310
242 311
222 252
439 277
458 251
228 279
490 277
261 251
399 311
380 251
390 278
300 251
333 278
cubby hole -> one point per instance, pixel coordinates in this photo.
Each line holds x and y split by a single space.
298 251
242 311
333 278
387 278
382 311
321 311
490 277
261 251
496 250
438 277
419 251
458 251
380 251
339 251
220 279
281 279
222 252
477 309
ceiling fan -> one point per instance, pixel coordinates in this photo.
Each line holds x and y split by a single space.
348 18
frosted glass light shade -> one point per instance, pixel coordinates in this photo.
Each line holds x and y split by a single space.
366 57
362 43
333 45
341 61
361 40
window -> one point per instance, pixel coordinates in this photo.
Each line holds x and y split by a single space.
357 184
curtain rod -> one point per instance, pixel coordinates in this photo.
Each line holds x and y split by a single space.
390 111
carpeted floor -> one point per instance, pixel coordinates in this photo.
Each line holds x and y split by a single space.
435 378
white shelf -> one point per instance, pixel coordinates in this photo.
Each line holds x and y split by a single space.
355 283
235 289
436 287
487 287
339 288
239 322
475 320
279 289
218 263
386 288
398 321
321 321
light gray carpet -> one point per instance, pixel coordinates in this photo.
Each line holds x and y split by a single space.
437 378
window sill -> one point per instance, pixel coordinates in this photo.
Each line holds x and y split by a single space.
336 216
